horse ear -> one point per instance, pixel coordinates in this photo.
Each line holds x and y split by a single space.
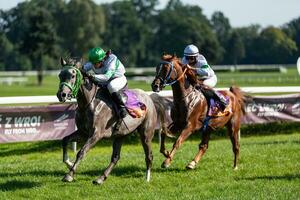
108 52
78 65
62 62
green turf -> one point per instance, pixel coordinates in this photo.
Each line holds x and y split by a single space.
268 169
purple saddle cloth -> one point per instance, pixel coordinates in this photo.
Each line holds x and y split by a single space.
134 106
215 109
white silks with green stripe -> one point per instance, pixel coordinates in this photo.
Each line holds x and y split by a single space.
112 68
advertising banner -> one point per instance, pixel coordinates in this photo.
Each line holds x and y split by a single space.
266 109
35 123
53 122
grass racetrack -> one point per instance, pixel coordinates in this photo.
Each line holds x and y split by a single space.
268 169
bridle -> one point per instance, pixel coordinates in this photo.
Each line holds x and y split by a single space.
76 86
166 81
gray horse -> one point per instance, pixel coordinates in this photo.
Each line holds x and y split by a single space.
96 119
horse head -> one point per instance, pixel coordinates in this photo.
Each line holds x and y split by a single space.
70 78
168 72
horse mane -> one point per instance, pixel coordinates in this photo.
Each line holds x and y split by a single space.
168 57
74 61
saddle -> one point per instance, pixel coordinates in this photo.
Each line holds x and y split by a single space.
214 106
134 106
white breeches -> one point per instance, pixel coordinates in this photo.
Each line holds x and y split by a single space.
211 82
117 84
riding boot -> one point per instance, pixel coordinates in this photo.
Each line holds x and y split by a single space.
117 98
206 91
221 99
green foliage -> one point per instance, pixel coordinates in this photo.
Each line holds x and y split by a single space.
236 49
82 26
268 169
280 47
35 33
180 25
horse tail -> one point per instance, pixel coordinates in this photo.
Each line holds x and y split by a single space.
241 97
161 105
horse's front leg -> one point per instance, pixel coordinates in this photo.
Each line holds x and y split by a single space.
65 142
80 155
117 144
183 136
203 146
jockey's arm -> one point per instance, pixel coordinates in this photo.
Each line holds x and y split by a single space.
113 65
205 71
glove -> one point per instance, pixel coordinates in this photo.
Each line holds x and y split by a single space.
90 75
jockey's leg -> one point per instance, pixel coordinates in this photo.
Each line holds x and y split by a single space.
209 84
221 99
115 88
117 98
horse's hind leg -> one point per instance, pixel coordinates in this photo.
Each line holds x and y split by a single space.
233 128
80 155
117 144
203 146
146 138
65 141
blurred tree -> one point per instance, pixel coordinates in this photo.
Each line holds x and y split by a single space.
222 28
6 49
179 25
146 12
274 46
292 29
125 32
249 36
82 26
40 39
235 48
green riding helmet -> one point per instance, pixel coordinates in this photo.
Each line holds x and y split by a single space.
96 55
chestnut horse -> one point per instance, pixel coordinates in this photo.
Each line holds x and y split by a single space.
96 119
190 108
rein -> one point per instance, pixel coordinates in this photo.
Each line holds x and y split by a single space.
168 76
76 87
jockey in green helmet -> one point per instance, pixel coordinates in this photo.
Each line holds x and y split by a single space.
106 69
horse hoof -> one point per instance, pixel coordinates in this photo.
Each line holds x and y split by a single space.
98 182
235 168
191 165
69 164
165 165
68 178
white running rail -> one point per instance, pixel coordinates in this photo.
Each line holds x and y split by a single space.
53 99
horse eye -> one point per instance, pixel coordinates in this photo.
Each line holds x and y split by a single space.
73 76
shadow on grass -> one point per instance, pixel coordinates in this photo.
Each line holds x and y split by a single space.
131 171
288 177
18 185
27 148
40 173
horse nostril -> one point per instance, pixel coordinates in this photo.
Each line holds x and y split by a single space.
63 95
